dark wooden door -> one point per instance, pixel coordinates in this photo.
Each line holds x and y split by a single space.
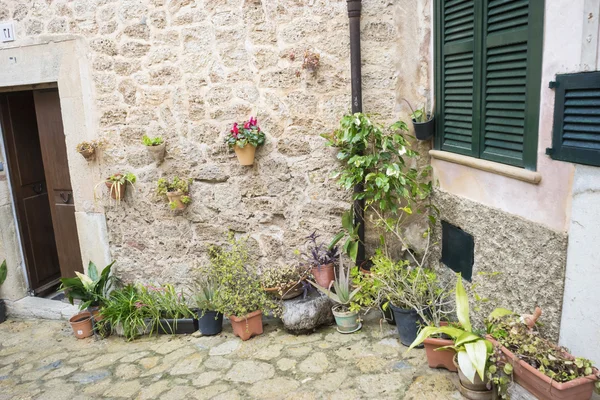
56 167
29 188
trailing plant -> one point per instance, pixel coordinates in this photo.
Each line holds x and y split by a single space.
475 354
125 309
249 133
148 141
378 162
240 290
284 277
523 340
115 182
3 272
176 185
91 289
319 254
344 292
163 302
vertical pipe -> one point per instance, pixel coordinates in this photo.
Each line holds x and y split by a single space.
354 9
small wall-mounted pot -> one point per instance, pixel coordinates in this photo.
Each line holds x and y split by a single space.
88 153
424 130
157 152
245 154
176 199
117 189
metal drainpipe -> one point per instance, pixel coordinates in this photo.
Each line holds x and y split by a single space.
354 8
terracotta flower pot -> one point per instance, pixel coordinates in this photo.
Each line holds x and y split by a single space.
157 152
324 275
247 326
245 154
439 358
82 324
542 386
175 197
288 292
89 154
118 189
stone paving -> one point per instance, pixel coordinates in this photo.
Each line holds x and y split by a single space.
41 359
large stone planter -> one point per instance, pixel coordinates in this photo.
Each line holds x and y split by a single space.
302 316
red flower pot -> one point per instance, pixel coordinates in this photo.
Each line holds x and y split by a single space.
248 325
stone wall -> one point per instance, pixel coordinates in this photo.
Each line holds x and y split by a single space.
519 264
186 70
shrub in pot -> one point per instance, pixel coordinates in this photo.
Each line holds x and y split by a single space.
241 296
345 311
3 274
117 185
156 147
285 282
177 191
210 321
91 290
245 139
168 310
539 365
321 259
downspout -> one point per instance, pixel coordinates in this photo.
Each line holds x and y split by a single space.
354 8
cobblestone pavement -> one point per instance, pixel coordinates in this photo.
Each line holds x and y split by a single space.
41 359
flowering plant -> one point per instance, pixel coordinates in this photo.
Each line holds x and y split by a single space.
248 133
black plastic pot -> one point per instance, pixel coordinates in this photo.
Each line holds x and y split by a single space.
211 323
424 130
407 322
388 314
2 311
177 326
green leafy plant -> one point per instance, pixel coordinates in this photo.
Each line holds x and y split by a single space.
344 292
526 343
205 296
147 141
240 290
377 160
3 272
249 133
115 182
125 310
163 302
91 289
419 115
177 185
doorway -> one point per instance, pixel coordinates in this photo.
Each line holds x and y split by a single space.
38 168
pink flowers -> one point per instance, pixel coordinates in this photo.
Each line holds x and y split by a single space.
139 304
235 130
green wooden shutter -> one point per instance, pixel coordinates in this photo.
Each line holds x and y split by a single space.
456 92
512 53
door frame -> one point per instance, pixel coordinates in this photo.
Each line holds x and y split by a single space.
43 64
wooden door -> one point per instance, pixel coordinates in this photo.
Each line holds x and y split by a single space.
29 188
56 167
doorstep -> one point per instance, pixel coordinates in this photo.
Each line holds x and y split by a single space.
38 307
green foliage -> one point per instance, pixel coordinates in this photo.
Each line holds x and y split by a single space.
147 141
282 277
350 233
205 295
344 292
542 354
176 185
116 181
3 272
249 133
381 161
163 302
125 309
91 289
240 291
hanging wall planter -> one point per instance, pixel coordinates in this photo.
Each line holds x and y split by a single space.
424 130
117 185
88 149
244 140
177 191
156 148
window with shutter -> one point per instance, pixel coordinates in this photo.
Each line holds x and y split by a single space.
576 134
488 76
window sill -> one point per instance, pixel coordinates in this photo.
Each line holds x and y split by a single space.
489 166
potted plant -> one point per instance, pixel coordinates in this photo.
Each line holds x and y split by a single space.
241 297
177 191
542 367
474 356
346 310
91 290
3 274
169 312
156 147
286 282
124 313
88 149
210 321
423 122
117 184
245 140
321 260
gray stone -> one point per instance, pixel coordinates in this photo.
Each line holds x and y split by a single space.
250 372
305 315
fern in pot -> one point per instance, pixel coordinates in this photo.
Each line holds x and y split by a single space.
346 310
